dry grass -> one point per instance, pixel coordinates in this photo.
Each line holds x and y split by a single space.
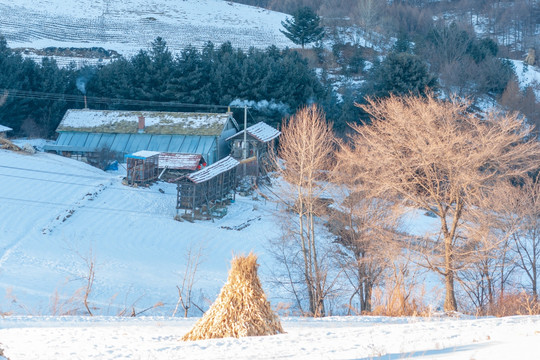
399 299
241 309
8 145
515 304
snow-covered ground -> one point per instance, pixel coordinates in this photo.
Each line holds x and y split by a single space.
56 213
528 76
128 26
328 338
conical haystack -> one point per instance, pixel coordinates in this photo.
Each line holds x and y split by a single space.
241 309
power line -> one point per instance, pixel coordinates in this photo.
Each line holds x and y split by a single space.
54 172
67 182
46 180
37 95
41 203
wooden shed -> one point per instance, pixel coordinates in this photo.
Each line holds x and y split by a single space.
142 167
203 191
4 130
258 139
174 165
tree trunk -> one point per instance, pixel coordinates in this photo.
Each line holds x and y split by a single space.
450 303
368 290
319 292
535 278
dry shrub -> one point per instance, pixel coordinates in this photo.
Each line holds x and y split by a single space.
399 299
517 303
62 306
283 308
8 145
241 309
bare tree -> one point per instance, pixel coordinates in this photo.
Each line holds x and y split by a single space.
87 277
490 261
524 208
511 220
306 144
447 44
526 103
193 260
366 230
436 155
367 14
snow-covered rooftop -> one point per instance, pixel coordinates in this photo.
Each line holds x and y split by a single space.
180 161
260 131
213 170
144 154
5 128
127 122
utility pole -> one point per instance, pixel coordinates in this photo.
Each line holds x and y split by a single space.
244 147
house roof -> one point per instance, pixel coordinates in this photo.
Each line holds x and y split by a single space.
143 154
130 143
126 122
260 131
209 172
5 128
180 161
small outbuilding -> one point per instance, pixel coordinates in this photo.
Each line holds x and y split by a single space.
4 130
258 139
173 165
203 191
142 167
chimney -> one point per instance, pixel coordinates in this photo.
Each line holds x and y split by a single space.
141 124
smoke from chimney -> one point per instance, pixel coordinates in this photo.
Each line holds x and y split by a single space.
81 84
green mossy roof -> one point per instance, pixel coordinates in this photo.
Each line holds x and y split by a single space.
126 122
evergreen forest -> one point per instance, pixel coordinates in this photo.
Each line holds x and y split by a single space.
411 49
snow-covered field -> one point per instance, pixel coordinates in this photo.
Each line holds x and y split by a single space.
54 211
57 213
328 338
128 26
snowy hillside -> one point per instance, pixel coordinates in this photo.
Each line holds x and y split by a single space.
528 76
56 213
127 26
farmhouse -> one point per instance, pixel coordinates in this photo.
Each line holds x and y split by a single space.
3 131
85 133
258 138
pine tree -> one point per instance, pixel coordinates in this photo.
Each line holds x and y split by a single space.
304 27
188 77
400 74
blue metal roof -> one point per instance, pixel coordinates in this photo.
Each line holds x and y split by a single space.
130 143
